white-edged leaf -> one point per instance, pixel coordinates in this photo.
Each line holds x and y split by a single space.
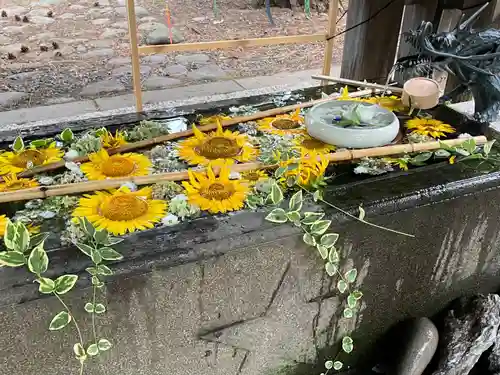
95 255
10 235
351 275
351 301
312 217
308 239
469 145
276 194
78 350
333 255
320 227
347 344
12 259
317 195
280 172
47 285
341 286
362 213
337 365
65 283
293 216
329 365
330 268
87 226
278 215
86 249
104 345
93 350
60 321
67 135
89 307
348 313
38 260
22 239
108 253
296 201
103 270
18 145
101 236
329 239
357 294
323 251
442 154
99 308
487 147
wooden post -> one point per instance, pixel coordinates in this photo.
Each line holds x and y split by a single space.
136 71
332 27
370 49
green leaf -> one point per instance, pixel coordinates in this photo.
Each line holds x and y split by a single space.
337 365
113 241
99 308
323 251
46 285
362 213
22 239
108 253
296 201
333 256
293 216
329 365
469 145
312 217
86 249
444 146
276 194
308 239
320 227
38 238
12 259
351 301
104 270
91 270
342 286
462 152
280 172
317 196
357 294
442 154
18 145
93 350
96 256
89 307
351 275
421 158
10 234
104 345
39 143
487 147
97 282
38 260
101 236
348 313
65 283
329 239
79 350
67 135
331 269
278 215
60 321
347 344
87 226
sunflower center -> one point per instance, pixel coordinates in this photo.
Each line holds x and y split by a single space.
218 147
217 191
284 124
117 166
124 208
312 144
28 159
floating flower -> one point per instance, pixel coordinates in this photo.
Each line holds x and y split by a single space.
306 171
430 127
391 103
102 165
283 124
13 183
112 141
254 176
121 211
16 162
217 148
307 144
215 194
213 119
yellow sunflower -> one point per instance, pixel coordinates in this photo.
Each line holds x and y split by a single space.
112 141
283 124
254 176
33 229
217 148
308 170
16 162
14 183
215 194
121 211
213 119
391 103
430 127
102 166
306 144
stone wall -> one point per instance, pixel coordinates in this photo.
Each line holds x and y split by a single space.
238 295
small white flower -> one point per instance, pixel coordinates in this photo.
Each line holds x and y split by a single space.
130 185
170 220
46 180
71 155
234 176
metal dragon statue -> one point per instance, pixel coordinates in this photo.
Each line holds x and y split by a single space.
472 56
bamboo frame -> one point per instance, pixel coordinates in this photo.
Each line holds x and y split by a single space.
136 51
169 137
50 191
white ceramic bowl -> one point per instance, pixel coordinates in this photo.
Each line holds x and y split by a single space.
319 124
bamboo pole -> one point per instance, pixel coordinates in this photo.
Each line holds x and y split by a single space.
236 43
50 191
352 82
332 27
169 137
136 71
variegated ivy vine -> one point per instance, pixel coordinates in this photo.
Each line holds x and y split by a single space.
23 249
316 234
